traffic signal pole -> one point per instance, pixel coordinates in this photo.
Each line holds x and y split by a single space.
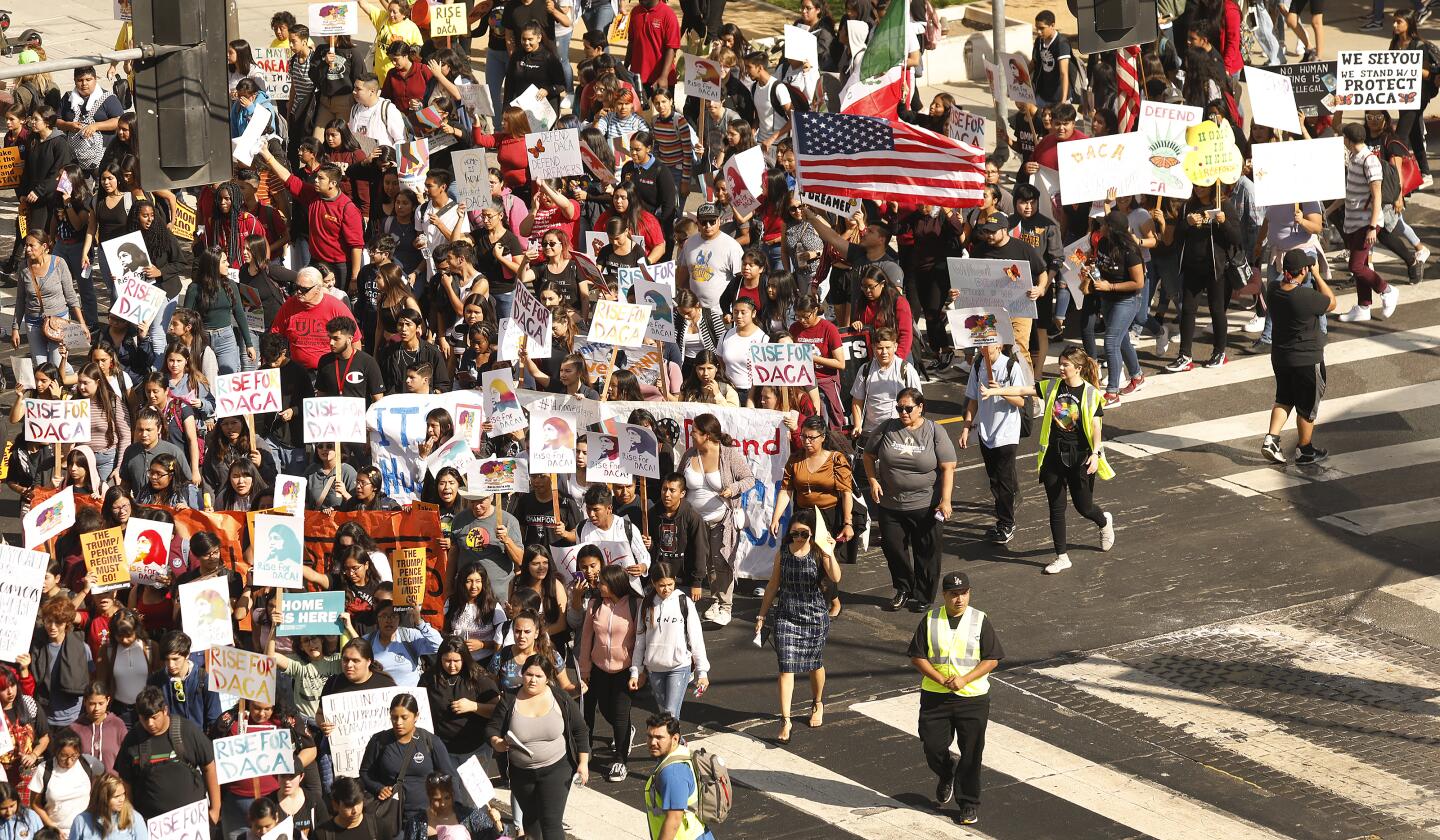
96 60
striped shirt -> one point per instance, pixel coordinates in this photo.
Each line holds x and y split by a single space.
301 85
674 145
1361 171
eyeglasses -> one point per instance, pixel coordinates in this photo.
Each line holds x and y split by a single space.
905 409
799 534
812 437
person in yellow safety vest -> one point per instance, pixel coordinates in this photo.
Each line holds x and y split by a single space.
1072 419
672 791
954 649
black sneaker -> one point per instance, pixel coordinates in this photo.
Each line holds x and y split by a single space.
1214 361
1000 534
944 792
915 605
1270 448
969 814
1311 455
1416 271
1257 346
897 602
945 357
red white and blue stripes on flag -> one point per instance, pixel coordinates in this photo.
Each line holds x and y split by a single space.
865 157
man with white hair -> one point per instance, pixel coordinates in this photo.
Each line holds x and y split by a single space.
303 316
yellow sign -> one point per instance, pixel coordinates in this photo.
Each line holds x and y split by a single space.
10 167
620 27
104 553
409 570
184 225
1214 155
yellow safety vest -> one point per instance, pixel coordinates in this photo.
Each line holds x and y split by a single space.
955 653
1089 404
690 826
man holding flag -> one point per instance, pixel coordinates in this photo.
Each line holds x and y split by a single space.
880 79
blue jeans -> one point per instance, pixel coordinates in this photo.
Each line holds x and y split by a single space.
42 349
73 254
285 457
1118 312
562 49
227 350
503 304
1143 319
1265 34
105 463
157 336
496 62
669 688
598 18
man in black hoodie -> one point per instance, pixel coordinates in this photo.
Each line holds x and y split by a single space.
678 536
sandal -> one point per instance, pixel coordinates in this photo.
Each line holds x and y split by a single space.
784 736
817 716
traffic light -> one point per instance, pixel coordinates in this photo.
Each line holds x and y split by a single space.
1112 24
182 102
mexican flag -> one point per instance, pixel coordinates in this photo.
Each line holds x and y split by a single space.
879 97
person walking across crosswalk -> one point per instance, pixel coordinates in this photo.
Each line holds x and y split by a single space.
955 649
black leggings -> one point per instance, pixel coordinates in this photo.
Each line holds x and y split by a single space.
542 794
933 295
1408 128
611 692
1218 296
1057 478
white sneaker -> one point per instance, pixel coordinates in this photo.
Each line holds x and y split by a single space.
722 617
1389 301
1107 533
1059 565
1422 254
712 612
1255 324
1357 313
1162 342
1426 181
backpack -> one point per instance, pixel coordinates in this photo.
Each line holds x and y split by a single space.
799 104
177 744
713 793
1389 181
933 30
93 768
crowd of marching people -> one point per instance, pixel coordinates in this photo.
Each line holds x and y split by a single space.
330 257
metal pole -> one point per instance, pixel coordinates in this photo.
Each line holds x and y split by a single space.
108 57
997 35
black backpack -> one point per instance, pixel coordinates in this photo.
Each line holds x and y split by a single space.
799 104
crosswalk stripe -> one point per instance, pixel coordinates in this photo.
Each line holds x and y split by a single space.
1251 736
591 815
820 792
1131 801
1423 592
1381 518
1253 425
1413 453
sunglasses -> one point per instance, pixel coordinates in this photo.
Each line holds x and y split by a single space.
305 290
800 534
906 409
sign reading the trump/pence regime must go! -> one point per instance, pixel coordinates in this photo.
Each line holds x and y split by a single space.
269 752
57 421
248 392
104 553
783 364
1378 80
242 673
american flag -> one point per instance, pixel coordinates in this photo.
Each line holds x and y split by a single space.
1127 79
865 157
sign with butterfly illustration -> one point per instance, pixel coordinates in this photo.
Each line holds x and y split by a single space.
979 327
1163 126
1378 80
1090 168
993 285
554 154
334 19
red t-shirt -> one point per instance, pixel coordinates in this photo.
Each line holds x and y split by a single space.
548 218
510 151
305 327
652 32
824 337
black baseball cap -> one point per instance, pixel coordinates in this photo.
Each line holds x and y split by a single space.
707 211
955 580
994 223
1296 261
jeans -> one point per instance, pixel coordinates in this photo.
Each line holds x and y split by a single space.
234 814
1143 319
504 303
157 336
73 254
496 61
1265 33
562 49
42 349
1367 282
669 689
1118 346
227 350
105 463
285 456
597 18
541 795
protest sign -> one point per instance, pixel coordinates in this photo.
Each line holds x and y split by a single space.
702 81
57 421
554 154
311 613
1163 126
22 577
104 553
1017 80
147 547
502 406
744 174
1090 168
661 301
470 422
268 752
639 450
662 273
185 223
538 108
476 97
602 167
10 167
626 276
24 369
472 178
274 62
188 822
964 126
1213 154
408 566
602 459
1378 80
511 339
244 148
334 419
333 19
475 782
448 20
127 257
242 673
1077 254
50 517
993 285
454 452
564 559
619 324
1312 83
205 613
975 327
552 441
801 45
783 364
1299 170
838 205
289 493
278 550
247 392
359 714
534 319
285 830
412 161
1272 102
137 301
498 475
396 424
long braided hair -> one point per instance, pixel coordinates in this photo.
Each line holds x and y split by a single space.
224 227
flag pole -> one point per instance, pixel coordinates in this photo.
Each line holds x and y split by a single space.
997 21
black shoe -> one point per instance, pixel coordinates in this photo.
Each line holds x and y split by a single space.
1312 455
1000 534
945 357
1259 345
1416 270
944 792
915 605
969 814
1215 361
897 602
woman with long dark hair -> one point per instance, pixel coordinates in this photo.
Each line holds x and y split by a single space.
166 264
229 223
716 477
218 302
270 280
473 614
540 773
245 489
1210 230
109 422
537 574
884 305
462 697
398 760
1120 267
707 382
44 289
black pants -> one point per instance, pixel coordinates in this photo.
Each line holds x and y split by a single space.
932 290
1396 244
942 719
611 692
1408 128
542 794
912 550
1004 481
1218 296
1058 478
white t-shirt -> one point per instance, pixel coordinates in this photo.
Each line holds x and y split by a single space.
69 794
381 122
768 120
712 264
878 388
735 350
